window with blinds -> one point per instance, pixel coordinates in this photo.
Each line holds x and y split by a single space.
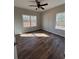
60 21
29 21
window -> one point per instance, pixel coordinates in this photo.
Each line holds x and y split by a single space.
33 21
29 21
60 21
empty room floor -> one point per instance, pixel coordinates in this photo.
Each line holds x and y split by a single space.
40 45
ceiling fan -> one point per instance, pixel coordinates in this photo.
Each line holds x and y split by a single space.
38 5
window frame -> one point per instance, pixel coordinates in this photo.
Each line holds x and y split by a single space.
60 27
29 21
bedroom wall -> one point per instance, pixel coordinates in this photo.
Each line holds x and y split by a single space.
18 23
49 20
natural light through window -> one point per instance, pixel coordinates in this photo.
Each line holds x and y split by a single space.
60 21
29 21
41 35
27 35
34 35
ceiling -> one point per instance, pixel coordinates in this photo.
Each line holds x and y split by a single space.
25 4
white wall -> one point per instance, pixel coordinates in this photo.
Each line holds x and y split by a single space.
18 22
49 20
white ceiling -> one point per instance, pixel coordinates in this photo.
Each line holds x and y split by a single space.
25 4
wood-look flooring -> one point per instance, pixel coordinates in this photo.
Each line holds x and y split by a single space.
42 47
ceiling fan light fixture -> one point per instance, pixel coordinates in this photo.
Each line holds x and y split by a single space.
38 5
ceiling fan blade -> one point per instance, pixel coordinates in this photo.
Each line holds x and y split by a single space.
44 4
33 5
42 8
